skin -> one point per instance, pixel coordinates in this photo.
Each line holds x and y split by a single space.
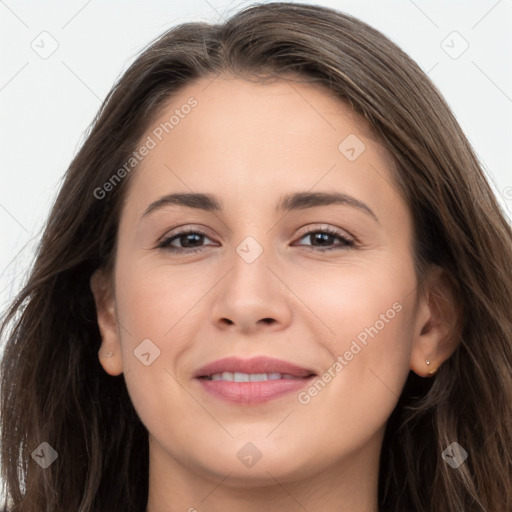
248 144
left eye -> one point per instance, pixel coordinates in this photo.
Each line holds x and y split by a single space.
186 236
189 240
325 236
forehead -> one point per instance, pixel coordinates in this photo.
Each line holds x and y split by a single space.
256 138
259 108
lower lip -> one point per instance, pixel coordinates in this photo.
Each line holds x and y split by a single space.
253 392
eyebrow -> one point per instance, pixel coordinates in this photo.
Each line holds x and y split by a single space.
289 202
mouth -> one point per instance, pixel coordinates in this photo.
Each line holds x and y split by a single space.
252 381
250 377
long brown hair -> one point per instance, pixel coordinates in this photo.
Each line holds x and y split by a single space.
53 387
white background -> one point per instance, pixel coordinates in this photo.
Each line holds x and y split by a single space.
46 104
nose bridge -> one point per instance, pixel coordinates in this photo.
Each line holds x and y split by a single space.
253 239
250 263
256 248
252 248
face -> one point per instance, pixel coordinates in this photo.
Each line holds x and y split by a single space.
323 282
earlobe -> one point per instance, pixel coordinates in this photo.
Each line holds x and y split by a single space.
438 320
112 362
109 354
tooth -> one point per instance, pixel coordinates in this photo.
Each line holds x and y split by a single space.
250 377
254 377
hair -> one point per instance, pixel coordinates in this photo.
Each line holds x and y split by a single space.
53 388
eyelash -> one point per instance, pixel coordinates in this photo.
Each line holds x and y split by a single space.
165 243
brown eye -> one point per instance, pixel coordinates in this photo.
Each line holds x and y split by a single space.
189 240
322 238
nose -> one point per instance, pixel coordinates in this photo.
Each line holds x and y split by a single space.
252 296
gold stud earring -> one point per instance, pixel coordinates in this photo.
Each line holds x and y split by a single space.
431 372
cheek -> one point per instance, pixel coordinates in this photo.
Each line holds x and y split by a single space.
373 313
360 302
369 312
152 310
151 299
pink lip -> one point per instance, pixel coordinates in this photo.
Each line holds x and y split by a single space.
253 392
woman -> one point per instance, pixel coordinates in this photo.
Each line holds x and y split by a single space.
339 340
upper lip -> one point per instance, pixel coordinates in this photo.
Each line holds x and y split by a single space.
260 364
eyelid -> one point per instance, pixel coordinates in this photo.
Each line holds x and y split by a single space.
184 229
327 227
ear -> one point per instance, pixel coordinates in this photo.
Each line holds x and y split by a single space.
104 297
437 325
